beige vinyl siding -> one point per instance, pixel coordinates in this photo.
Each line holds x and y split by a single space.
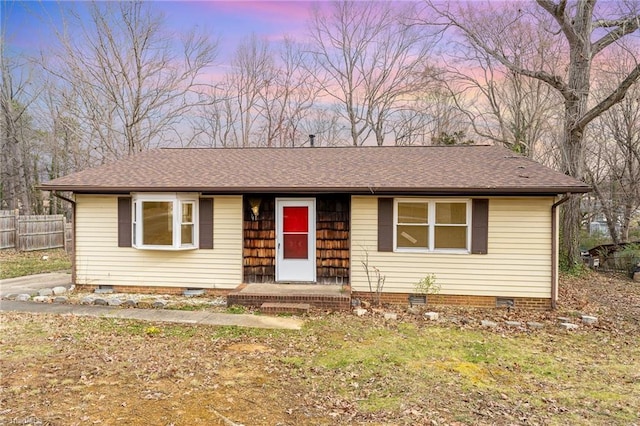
99 260
518 263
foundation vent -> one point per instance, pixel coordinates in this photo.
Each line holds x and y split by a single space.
504 302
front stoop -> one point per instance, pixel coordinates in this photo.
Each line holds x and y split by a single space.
285 308
319 296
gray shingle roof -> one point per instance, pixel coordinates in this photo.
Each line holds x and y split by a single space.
478 169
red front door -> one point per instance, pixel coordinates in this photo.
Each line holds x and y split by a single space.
295 237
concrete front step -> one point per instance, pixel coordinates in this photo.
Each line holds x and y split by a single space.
285 308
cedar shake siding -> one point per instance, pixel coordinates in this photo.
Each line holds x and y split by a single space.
259 241
517 262
332 239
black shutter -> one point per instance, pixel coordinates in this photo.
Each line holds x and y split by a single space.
385 224
480 226
206 223
124 221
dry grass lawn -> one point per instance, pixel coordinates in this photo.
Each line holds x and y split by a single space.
340 369
17 264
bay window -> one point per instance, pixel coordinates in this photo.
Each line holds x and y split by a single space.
165 221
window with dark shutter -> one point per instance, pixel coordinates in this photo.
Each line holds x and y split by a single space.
124 221
206 223
448 223
385 224
480 226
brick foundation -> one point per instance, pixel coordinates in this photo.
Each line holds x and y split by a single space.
334 303
457 300
174 291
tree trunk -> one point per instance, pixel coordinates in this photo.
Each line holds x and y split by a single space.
576 106
14 183
573 159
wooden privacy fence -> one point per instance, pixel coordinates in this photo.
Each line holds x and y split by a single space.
34 232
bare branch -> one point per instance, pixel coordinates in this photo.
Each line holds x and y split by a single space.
616 96
624 27
557 11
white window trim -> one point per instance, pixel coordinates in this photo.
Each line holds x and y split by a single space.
431 224
177 200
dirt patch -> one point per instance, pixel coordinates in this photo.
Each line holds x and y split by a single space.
248 348
113 372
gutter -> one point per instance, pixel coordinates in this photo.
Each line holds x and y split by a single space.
73 235
554 249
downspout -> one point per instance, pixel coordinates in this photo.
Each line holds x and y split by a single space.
554 249
73 234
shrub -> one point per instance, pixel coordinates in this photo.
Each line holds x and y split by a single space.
427 285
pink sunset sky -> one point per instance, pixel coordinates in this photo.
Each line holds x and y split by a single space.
27 25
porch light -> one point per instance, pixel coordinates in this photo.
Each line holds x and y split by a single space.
255 207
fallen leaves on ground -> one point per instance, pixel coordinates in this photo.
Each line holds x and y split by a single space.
340 369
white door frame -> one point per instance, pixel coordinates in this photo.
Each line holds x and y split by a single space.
296 270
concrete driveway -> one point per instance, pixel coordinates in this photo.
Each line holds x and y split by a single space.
32 283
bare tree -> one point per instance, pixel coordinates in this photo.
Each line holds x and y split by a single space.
586 32
432 116
613 165
410 126
323 122
15 99
288 97
447 114
262 99
367 58
216 121
62 148
253 69
503 106
127 80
